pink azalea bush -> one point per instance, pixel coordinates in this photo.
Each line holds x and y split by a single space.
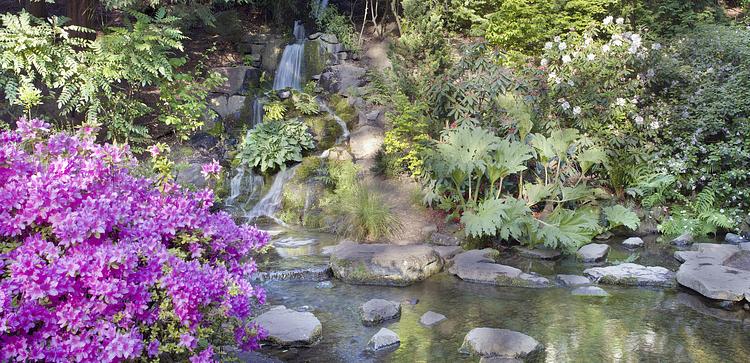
97 264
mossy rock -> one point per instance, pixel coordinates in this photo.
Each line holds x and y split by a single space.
315 59
325 131
343 109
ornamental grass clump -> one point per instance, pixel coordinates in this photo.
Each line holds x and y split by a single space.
97 264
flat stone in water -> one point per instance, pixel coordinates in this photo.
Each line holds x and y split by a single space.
541 253
431 318
383 264
631 274
572 280
500 343
479 266
288 327
593 252
589 291
448 252
633 242
383 339
324 285
377 311
291 242
717 271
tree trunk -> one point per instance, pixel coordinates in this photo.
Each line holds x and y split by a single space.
38 8
81 12
394 10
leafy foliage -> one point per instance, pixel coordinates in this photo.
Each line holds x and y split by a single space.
272 144
331 21
97 262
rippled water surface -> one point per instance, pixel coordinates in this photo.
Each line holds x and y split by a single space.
631 325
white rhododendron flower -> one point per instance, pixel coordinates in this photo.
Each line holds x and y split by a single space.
620 21
605 48
544 62
620 101
656 46
608 20
577 110
639 120
562 46
548 45
566 58
590 56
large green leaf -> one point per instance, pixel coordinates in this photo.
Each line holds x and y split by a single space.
495 217
465 149
566 229
618 215
509 158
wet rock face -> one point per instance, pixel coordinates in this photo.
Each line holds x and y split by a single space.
631 274
593 252
288 327
376 311
500 343
720 272
383 339
383 264
479 266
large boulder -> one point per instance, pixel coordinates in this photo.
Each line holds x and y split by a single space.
366 141
227 106
238 79
383 264
288 327
720 272
631 274
343 77
479 266
383 339
500 343
593 252
376 311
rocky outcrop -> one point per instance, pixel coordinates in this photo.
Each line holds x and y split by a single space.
382 264
685 239
720 272
500 343
631 274
479 266
288 327
593 252
227 105
383 339
431 318
376 311
239 79
572 280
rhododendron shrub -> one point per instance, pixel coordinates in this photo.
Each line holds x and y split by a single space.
98 264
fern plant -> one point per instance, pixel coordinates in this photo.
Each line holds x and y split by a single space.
699 217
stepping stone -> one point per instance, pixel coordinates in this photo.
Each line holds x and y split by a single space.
479 266
288 327
717 271
589 291
631 274
377 311
500 343
541 253
383 339
572 280
431 318
633 242
593 252
683 240
384 264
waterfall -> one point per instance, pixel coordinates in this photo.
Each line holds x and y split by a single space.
322 7
257 112
289 72
235 186
345 130
271 202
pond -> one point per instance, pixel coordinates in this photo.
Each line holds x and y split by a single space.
630 325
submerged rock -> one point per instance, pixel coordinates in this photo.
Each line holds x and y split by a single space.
479 266
720 272
593 252
287 327
572 280
383 339
734 239
631 274
589 291
633 242
500 343
541 253
377 311
684 240
313 273
324 285
431 318
382 264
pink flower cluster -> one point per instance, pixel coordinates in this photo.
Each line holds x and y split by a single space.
95 262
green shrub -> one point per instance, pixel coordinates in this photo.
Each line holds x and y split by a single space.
365 216
331 21
272 144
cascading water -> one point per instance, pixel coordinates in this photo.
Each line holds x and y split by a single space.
271 202
289 72
244 183
257 111
344 129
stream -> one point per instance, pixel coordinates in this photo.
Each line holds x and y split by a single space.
631 325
